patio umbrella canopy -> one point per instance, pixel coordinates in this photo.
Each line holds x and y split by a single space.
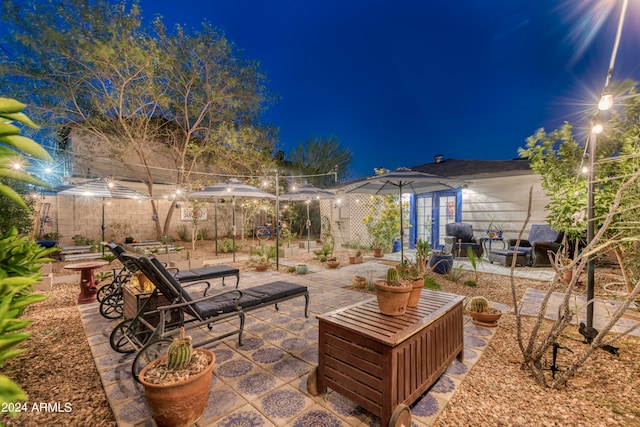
102 188
399 180
232 188
307 193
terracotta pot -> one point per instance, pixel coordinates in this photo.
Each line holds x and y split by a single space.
333 264
359 282
392 300
377 252
416 290
486 318
180 404
567 276
355 259
262 267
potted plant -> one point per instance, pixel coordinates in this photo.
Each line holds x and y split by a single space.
333 263
392 294
482 313
302 268
49 239
177 385
355 259
359 282
262 257
409 273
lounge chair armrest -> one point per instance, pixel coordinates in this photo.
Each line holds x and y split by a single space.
204 294
198 300
547 246
523 243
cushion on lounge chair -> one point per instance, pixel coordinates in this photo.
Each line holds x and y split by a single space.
206 273
251 297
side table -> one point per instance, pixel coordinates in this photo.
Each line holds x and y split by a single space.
487 249
88 288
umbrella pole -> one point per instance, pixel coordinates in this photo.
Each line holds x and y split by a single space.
215 222
103 226
401 228
233 228
308 228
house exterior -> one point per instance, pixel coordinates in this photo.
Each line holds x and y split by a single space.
497 193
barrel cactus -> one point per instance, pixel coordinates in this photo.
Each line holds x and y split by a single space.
478 304
180 351
392 275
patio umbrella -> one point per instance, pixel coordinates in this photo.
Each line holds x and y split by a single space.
307 193
399 180
102 188
232 188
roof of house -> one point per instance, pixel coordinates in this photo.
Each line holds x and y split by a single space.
475 168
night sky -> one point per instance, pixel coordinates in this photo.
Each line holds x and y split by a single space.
399 81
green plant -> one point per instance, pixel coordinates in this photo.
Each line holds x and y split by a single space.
179 352
203 234
471 283
455 274
325 252
358 253
183 233
371 286
431 283
226 246
103 275
80 240
473 259
478 304
264 253
20 260
52 235
291 269
392 276
109 258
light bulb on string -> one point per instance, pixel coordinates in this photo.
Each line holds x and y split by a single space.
606 102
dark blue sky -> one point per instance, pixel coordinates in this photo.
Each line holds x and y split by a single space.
399 81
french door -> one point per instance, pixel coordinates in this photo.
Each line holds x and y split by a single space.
433 212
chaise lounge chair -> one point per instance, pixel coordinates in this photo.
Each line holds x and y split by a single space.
191 310
110 296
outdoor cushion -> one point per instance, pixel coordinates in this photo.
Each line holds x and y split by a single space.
459 237
206 273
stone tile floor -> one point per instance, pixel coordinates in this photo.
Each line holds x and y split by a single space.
263 383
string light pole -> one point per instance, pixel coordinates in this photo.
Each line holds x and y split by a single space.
605 104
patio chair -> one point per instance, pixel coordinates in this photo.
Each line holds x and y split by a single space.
111 298
459 237
191 309
534 251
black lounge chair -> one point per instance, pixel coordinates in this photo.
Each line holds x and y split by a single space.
110 296
190 310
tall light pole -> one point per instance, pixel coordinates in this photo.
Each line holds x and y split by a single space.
605 103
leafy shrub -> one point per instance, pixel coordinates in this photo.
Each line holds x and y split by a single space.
80 240
472 283
183 233
203 234
455 274
291 269
431 283
20 261
226 246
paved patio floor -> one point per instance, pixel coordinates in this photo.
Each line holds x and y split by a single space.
263 383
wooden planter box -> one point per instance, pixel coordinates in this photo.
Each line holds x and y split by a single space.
381 361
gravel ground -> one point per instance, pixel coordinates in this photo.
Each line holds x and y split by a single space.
59 370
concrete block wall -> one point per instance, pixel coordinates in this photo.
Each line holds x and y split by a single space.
78 215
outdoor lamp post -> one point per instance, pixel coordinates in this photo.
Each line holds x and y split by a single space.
605 103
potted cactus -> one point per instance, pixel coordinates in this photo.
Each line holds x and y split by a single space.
482 313
177 385
355 259
392 294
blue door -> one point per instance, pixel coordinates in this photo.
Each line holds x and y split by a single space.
433 211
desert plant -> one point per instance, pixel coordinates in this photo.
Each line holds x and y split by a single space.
473 259
478 304
52 235
109 258
80 240
179 352
455 274
471 283
291 269
183 233
226 246
392 276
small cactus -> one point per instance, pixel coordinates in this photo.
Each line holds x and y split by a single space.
179 353
392 275
478 304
